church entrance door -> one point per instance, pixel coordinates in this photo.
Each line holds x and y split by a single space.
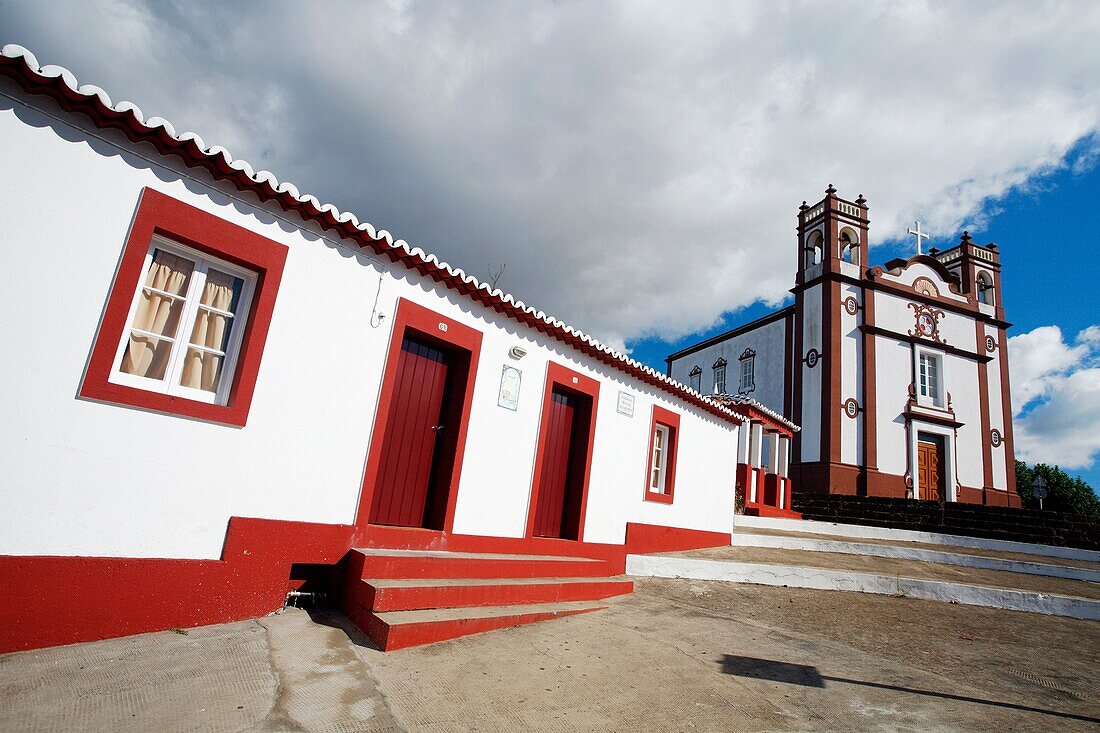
419 445
930 467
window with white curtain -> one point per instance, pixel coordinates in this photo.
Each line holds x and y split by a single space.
720 378
185 324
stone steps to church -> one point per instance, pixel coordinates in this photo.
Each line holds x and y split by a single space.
853 572
938 554
403 598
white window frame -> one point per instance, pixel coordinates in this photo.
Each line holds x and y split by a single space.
748 374
720 379
181 339
695 379
658 460
936 397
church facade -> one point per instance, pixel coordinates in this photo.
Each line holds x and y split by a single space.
897 374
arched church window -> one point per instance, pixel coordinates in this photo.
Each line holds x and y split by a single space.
720 376
849 247
814 249
985 289
748 372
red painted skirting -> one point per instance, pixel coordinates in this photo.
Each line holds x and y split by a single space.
62 600
643 538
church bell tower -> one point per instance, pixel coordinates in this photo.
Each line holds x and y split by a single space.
829 398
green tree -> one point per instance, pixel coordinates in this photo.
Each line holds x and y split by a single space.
1065 493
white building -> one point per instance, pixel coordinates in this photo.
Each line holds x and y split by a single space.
897 375
215 385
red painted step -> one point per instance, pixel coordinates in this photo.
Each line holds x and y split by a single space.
380 563
412 594
763 510
400 629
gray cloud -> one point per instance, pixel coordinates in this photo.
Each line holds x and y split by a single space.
638 166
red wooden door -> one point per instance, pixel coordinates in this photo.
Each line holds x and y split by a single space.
414 434
554 481
929 470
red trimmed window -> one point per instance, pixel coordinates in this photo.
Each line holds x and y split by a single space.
664 434
187 316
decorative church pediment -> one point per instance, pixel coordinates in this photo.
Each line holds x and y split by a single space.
923 274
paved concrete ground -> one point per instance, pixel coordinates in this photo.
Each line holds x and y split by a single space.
676 655
917 569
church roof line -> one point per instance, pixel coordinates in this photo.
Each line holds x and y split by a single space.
736 331
58 83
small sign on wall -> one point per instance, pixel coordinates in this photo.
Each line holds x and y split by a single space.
626 404
510 379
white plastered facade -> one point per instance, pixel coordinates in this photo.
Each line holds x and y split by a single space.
90 479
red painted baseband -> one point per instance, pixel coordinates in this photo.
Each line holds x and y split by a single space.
644 538
64 600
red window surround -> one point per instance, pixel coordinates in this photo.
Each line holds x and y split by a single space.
158 213
670 420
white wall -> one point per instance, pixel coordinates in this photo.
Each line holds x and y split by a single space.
810 419
83 478
851 376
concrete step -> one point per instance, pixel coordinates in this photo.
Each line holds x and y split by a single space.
389 564
880 532
845 579
902 551
393 630
422 593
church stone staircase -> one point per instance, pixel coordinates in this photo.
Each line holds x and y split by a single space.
402 598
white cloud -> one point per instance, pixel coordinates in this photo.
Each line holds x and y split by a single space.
1056 396
638 166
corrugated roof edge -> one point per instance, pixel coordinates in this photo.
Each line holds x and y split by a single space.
60 84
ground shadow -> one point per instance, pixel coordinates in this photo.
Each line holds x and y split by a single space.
808 676
335 619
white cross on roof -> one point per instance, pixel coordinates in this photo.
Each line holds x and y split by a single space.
919 235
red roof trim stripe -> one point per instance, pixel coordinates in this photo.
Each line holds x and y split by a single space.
58 83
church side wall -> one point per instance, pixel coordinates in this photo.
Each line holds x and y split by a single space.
768 341
89 479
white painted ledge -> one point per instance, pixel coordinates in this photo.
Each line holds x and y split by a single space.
808 526
811 544
665 566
